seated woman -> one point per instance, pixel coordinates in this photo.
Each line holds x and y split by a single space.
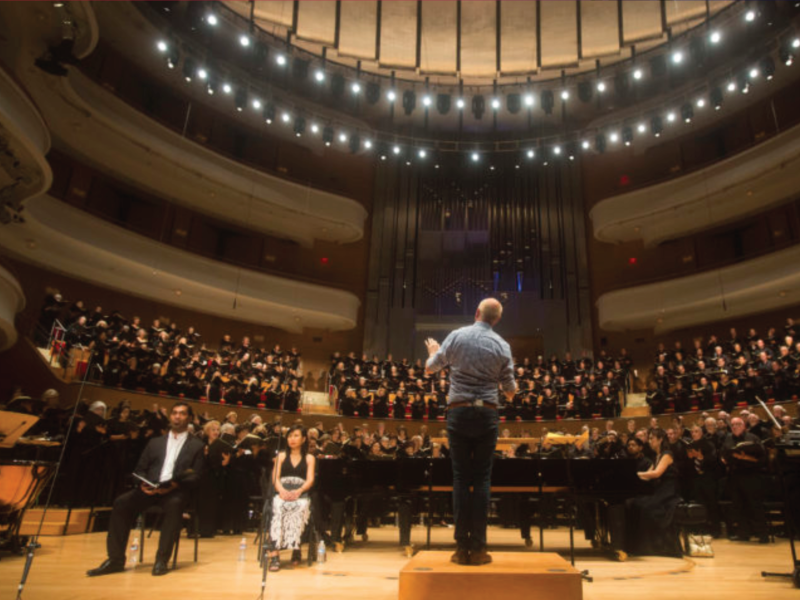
649 519
293 477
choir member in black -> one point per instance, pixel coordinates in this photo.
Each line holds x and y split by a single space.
215 389
649 527
609 403
362 403
635 450
417 407
744 457
273 396
347 404
681 398
212 482
380 407
399 407
704 393
548 405
120 454
291 399
704 475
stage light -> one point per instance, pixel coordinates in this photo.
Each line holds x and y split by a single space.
601 87
495 103
753 73
744 85
627 136
327 135
281 60
396 150
571 151
409 102
256 103
613 137
172 57
715 37
422 153
383 150
600 143
427 101
202 74
343 137
373 92
443 103
557 150
269 113
677 57
356 87
314 128
529 100
638 74
796 43
656 127
391 95
731 86
319 75
244 41
768 67
162 46
671 117
641 128
585 144
299 126
460 104
546 102
716 98
240 100
285 117
585 91
700 102
211 86
212 19
564 95
687 113
787 58
475 157
226 88
478 106
750 16
531 153
367 144
189 69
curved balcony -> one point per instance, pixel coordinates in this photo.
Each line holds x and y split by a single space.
62 238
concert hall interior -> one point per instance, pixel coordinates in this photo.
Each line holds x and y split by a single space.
248 251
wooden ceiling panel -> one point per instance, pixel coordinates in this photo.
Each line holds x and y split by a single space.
398 34
279 12
640 20
678 12
599 28
358 22
316 21
479 38
559 33
518 37
439 37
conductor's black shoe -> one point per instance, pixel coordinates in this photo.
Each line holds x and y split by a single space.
107 568
460 557
480 557
160 568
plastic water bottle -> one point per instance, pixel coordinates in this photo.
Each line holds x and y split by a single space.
242 549
321 552
133 558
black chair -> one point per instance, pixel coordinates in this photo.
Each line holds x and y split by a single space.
159 515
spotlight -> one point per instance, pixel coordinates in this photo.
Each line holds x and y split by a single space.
529 100
162 46
427 101
716 98
409 102
244 41
314 128
383 150
601 87
256 103
571 151
211 86
687 113
367 144
627 136
343 137
189 69
212 19
495 103
564 95
671 117
547 102
327 136
269 113
715 37
700 103
202 74
172 57
391 95
319 75
600 143
677 57
557 150
373 92
240 100
743 84
731 86
281 60
768 68
796 43
478 106
638 74
750 16
531 153
641 128
422 153
753 73
285 117
460 104
786 57
356 87
613 137
299 126
585 144
475 157
355 143
396 150
226 88
656 127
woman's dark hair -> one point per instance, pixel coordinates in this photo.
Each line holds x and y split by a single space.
303 433
658 433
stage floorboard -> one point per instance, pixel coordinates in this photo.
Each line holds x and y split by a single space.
370 570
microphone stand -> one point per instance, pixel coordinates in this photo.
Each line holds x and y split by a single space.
265 524
33 542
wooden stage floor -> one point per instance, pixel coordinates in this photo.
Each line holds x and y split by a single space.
370 571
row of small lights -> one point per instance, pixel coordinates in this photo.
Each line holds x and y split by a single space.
742 83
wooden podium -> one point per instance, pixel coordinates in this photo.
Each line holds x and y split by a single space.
539 576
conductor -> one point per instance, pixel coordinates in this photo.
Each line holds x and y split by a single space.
480 361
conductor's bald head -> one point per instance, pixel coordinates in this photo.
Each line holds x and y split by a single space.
489 311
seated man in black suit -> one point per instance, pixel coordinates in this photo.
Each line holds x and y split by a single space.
175 462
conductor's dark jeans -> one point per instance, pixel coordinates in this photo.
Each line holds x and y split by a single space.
472 433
